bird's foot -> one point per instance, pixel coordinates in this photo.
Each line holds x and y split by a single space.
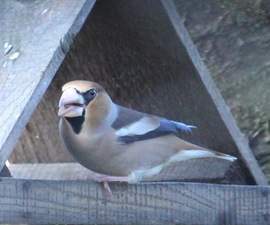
104 179
106 190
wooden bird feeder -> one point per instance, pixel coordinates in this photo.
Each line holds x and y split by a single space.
141 52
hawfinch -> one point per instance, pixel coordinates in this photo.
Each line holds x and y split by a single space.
118 142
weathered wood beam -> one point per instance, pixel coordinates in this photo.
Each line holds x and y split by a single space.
82 202
40 33
193 170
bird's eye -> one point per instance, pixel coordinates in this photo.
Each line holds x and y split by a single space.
89 95
92 92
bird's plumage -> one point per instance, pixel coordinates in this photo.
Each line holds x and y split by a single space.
132 126
116 141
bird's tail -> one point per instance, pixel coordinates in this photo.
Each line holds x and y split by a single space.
224 156
190 151
199 153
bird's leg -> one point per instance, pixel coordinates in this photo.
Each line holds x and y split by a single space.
106 190
104 179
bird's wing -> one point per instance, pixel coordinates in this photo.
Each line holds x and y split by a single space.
132 126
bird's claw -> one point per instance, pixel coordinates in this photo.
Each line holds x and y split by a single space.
106 190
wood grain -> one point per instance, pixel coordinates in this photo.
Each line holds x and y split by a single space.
82 202
40 31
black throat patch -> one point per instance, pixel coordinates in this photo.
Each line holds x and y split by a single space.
76 123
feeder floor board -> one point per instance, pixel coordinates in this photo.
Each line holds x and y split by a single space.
82 202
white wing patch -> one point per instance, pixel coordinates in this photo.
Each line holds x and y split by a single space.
140 127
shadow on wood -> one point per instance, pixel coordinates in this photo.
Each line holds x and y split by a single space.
5 172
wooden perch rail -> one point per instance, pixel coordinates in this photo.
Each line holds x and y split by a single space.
81 202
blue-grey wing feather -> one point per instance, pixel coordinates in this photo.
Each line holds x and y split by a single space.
182 126
166 127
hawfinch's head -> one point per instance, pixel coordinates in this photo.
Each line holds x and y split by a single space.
83 98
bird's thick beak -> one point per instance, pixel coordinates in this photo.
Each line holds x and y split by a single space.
71 104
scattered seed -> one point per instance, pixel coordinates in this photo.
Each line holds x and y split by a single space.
15 55
45 10
8 48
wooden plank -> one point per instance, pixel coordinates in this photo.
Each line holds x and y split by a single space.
227 172
40 33
81 202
